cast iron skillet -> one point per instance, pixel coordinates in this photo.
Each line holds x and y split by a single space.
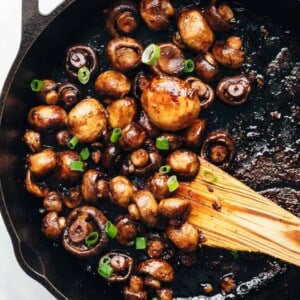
43 42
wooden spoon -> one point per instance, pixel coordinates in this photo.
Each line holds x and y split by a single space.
233 216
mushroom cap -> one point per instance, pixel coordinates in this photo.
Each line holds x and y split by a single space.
158 269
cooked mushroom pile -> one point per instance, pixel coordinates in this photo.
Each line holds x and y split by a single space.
134 140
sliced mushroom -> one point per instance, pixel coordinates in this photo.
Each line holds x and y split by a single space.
33 188
158 269
48 93
53 225
194 134
69 93
33 140
127 230
206 67
157 185
133 136
53 202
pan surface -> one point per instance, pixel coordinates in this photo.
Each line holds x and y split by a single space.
265 130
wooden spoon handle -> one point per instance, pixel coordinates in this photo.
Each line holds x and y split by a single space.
233 216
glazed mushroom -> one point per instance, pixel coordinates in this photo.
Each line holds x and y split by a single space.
127 230
174 96
133 136
135 291
87 120
53 225
158 269
155 248
184 163
219 148
151 130
81 222
219 17
42 163
121 18
194 134
140 82
157 185
112 84
124 53
175 140
48 93
121 265
164 294
229 53
194 31
53 202
170 61
47 117
72 198
205 93
33 188
206 67
33 140
234 90
228 283
63 137
69 94
112 156
152 283
79 56
121 112
156 13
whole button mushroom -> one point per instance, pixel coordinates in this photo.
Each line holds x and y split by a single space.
63 137
33 140
194 134
72 197
157 185
53 202
170 103
53 225
165 294
127 230
158 269
135 291
206 67
133 137
48 93
87 120
69 93
194 31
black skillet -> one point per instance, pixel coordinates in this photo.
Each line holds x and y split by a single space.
274 171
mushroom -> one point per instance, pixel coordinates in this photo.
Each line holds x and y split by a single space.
164 294
121 112
157 185
194 31
63 170
228 283
53 225
186 237
121 191
151 130
159 246
121 265
158 269
121 18
33 188
112 84
80 223
219 17
63 137
33 140
194 134
174 96
53 202
185 164
156 13
155 248
229 53
127 230
140 82
219 148
205 93
69 93
170 61
112 156
206 67
151 282
78 56
174 210
47 117
234 90
134 291
72 198
42 163
87 120
48 93
132 137
175 140
124 53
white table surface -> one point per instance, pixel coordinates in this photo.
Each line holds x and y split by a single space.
15 284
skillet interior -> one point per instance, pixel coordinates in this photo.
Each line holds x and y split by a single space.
267 148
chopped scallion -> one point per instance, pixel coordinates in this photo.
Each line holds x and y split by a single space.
162 143
104 260
92 238
85 153
151 54
116 134
189 66
235 254
77 165
164 169
73 142
111 230
84 75
105 270
140 243
36 85
209 176
172 183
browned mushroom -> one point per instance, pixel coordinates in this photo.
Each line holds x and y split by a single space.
112 84
134 291
69 93
194 134
164 294
151 282
133 136
151 130
78 56
158 269
157 185
48 93
156 13
159 246
53 225
174 96
33 140
206 67
219 148
229 53
33 188
170 61
112 156
80 223
194 31
219 17
124 53
53 202
205 93
63 137
155 248
121 18
175 140
127 230
72 198
185 164
47 117
227 283
234 90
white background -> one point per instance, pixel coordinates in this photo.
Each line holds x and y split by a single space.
14 283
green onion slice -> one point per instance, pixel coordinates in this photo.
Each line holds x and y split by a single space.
104 260
105 270
116 134
36 85
189 66
164 169
209 176
84 75
173 183
235 254
77 165
162 144
151 54
111 230
73 142
85 153
140 243
92 238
